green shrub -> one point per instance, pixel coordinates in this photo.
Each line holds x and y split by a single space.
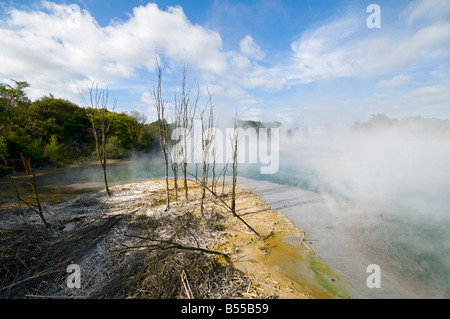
3 146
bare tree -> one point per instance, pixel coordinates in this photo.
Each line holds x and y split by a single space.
186 114
98 108
31 181
135 129
207 140
234 142
160 106
213 168
141 118
223 173
215 177
173 143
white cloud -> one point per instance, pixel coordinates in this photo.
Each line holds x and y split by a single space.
341 49
433 10
62 49
151 29
325 52
394 82
63 45
240 63
423 46
269 81
433 94
248 47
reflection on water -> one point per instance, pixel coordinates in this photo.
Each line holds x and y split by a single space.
55 183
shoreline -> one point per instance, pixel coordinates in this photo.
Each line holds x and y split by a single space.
337 232
283 263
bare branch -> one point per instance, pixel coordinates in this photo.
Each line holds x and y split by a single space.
172 245
160 106
97 106
229 208
31 181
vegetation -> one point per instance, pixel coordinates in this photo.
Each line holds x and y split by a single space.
257 124
410 126
54 131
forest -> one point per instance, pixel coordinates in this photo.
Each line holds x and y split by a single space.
54 131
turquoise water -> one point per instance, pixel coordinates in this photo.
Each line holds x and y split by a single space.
91 174
421 249
416 240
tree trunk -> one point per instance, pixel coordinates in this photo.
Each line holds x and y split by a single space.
185 180
167 181
162 127
105 178
98 106
235 164
41 215
175 182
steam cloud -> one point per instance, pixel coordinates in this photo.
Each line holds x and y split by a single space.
401 169
401 166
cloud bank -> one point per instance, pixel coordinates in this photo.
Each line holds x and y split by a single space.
61 49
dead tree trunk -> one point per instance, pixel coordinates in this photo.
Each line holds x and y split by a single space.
175 179
234 141
160 106
224 173
187 112
207 139
175 158
31 181
97 107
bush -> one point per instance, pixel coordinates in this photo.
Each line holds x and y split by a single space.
3 146
52 150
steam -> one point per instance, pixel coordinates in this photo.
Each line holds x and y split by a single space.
400 166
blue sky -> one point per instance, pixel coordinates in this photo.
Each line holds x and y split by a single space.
286 60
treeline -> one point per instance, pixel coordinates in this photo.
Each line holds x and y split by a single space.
53 131
415 126
257 124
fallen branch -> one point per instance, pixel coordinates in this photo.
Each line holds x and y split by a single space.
229 208
173 245
50 270
187 286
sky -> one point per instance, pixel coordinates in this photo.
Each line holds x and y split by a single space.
291 61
